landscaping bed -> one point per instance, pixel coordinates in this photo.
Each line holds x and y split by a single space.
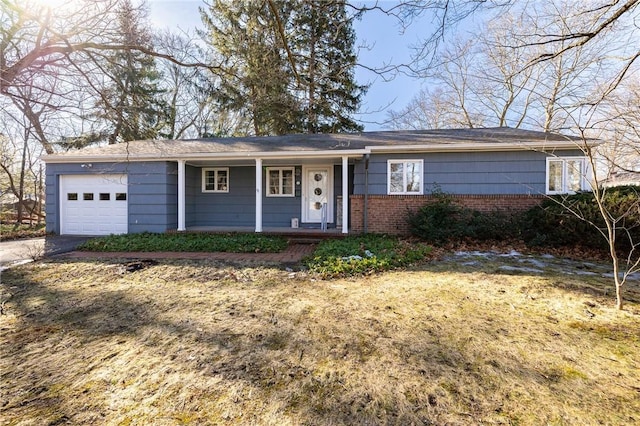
187 242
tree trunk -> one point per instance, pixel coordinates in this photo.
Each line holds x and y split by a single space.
21 182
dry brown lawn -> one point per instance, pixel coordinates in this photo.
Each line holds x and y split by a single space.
203 343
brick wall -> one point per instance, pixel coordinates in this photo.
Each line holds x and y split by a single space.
388 213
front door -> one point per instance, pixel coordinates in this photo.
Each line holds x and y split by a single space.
317 197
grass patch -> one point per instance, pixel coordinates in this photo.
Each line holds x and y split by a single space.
205 343
364 254
187 242
10 232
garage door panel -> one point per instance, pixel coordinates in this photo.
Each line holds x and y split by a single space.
93 208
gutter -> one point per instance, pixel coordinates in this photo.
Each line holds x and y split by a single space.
280 155
477 147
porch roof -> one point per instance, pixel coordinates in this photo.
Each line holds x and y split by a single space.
324 145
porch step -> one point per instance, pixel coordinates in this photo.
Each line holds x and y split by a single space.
304 240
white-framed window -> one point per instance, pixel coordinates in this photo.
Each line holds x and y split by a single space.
404 177
566 175
280 182
215 180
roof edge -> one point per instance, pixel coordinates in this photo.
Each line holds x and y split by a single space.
56 158
441 147
492 147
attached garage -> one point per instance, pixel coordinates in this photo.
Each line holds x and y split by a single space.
93 204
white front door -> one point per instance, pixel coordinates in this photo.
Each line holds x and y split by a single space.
317 193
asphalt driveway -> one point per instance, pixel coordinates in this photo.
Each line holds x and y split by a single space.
21 251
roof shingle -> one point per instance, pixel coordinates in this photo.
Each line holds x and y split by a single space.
320 142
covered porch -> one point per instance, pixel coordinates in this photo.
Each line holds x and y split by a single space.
279 194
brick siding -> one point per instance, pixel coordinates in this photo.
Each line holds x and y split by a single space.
388 213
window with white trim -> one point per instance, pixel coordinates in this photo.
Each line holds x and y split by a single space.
404 177
566 175
280 182
215 180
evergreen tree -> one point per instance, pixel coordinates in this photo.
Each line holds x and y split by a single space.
324 40
287 65
131 103
255 79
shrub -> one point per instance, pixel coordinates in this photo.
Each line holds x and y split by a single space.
439 220
443 220
364 254
552 224
498 225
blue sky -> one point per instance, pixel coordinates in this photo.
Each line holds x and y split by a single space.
379 31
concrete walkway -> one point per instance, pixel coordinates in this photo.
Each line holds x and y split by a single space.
294 253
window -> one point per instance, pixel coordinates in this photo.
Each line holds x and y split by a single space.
105 196
280 182
72 196
121 196
566 175
404 177
87 196
215 180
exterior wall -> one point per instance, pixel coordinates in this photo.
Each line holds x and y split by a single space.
152 193
234 208
388 213
192 189
483 181
469 173
153 197
237 207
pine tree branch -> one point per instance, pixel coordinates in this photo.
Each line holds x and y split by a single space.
283 37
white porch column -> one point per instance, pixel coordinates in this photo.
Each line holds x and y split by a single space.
345 195
181 196
258 194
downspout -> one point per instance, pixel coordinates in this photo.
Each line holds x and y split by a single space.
365 218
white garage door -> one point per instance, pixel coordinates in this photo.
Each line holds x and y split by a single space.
93 204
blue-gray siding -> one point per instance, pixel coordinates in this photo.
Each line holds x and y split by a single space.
238 206
469 173
234 208
152 193
153 188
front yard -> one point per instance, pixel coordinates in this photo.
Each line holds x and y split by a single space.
457 341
